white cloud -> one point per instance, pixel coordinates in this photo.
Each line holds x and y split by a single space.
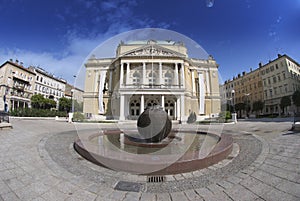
68 61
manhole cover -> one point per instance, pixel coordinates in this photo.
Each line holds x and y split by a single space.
128 186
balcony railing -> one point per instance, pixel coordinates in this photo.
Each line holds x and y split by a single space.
151 86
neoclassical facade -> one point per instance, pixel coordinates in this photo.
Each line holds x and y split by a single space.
146 73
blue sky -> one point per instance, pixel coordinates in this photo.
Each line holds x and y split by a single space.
58 35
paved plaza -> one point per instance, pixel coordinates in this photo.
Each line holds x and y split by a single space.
38 162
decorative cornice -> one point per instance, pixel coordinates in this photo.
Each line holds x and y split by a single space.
153 50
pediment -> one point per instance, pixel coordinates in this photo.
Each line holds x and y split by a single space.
152 50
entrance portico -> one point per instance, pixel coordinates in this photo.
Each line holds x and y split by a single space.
172 104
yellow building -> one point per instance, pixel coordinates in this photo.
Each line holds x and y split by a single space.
281 77
16 86
147 73
268 83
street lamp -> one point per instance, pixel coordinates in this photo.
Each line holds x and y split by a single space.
247 103
234 119
71 114
232 96
72 92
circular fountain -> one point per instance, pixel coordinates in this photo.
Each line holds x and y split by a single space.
154 148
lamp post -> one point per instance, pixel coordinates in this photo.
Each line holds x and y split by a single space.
72 92
234 119
247 104
72 104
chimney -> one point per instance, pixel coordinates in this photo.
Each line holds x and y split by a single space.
279 55
21 63
250 69
11 60
244 73
17 61
260 64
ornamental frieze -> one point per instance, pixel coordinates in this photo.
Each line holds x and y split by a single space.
151 51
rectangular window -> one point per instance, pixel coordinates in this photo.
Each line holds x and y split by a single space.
280 89
274 79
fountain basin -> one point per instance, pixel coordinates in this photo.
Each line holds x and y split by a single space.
181 152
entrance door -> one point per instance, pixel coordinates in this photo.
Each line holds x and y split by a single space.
170 109
134 109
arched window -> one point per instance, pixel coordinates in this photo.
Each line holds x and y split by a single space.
168 78
136 80
134 109
152 77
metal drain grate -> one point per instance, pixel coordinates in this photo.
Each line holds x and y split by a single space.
156 179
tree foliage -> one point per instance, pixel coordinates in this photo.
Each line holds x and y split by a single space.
39 102
284 102
65 104
258 106
296 98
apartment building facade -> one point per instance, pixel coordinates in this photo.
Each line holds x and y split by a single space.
268 83
16 86
48 85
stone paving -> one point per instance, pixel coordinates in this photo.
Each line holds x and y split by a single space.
38 162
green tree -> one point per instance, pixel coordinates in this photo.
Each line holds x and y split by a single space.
65 104
257 106
285 102
49 103
296 99
38 101
239 107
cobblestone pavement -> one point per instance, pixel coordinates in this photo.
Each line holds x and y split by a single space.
38 162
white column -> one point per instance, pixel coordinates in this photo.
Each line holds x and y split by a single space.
163 101
96 81
176 74
175 110
122 117
182 112
144 73
142 104
207 82
160 73
178 108
193 83
121 75
182 76
128 74
110 81
201 93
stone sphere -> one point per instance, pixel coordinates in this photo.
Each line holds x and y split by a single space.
154 124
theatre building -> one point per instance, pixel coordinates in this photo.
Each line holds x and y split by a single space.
147 73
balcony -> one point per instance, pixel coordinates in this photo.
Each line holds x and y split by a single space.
151 86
